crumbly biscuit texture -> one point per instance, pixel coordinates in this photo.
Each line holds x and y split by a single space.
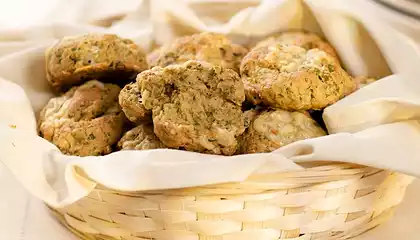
141 137
196 106
210 47
105 57
272 129
84 121
131 103
301 39
293 78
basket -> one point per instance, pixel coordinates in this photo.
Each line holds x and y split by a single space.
336 201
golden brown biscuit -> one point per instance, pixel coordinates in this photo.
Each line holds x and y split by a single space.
293 78
141 137
301 39
84 121
106 57
210 47
196 106
272 129
131 103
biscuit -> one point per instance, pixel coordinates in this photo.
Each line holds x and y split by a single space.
131 104
85 121
141 137
272 129
196 106
105 57
301 39
209 47
293 78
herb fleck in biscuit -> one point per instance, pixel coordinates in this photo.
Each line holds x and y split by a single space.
196 106
107 57
293 78
84 121
272 129
131 103
141 137
209 47
301 39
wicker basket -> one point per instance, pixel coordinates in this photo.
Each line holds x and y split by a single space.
337 201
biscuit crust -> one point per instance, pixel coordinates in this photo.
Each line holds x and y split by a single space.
104 57
209 47
304 40
293 78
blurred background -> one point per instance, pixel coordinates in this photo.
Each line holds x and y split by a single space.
23 13
20 13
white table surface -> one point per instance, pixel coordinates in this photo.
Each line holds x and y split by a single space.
23 217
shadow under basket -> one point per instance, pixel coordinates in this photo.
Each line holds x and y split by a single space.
337 201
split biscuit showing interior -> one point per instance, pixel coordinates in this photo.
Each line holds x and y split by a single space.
196 106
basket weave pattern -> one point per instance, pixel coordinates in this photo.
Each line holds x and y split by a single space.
336 201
